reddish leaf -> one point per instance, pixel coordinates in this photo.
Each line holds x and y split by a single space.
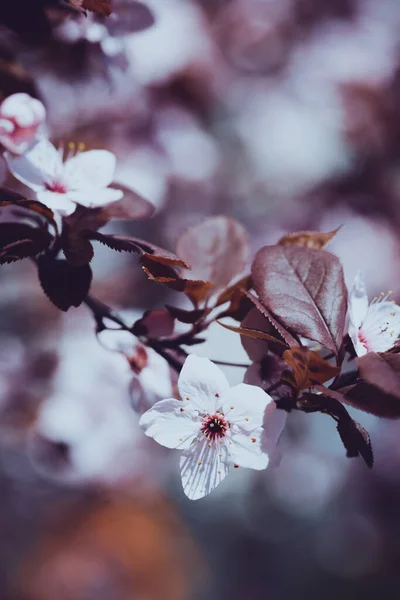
304 288
255 334
154 324
101 8
289 339
371 399
356 440
64 284
131 244
217 251
234 292
186 316
308 367
8 198
382 370
18 241
308 239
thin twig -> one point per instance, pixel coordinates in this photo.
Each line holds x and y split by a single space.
101 311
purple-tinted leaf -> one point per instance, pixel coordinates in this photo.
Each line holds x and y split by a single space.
356 440
304 288
372 399
254 334
64 284
145 249
185 316
18 241
217 251
382 370
257 349
9 197
155 324
285 335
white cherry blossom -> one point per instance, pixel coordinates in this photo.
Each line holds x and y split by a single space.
375 326
151 374
20 118
215 425
83 178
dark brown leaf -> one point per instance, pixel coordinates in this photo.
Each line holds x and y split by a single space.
308 367
18 241
255 334
304 288
185 316
356 440
234 291
145 249
354 437
155 324
308 239
217 251
8 198
76 247
64 284
372 399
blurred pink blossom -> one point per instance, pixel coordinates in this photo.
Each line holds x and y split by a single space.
20 119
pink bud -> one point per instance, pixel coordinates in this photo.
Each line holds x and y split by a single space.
20 117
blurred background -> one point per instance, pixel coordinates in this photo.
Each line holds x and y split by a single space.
284 114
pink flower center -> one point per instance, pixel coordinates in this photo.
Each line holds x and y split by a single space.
363 339
214 427
57 187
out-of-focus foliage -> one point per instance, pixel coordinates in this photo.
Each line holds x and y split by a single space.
286 117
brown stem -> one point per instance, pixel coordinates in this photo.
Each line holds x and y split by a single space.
101 311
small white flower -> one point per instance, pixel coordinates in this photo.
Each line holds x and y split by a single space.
151 373
373 327
20 118
215 425
82 179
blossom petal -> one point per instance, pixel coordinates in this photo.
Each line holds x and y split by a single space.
381 327
90 170
57 202
96 198
274 423
358 301
169 424
40 163
202 382
203 468
246 450
244 406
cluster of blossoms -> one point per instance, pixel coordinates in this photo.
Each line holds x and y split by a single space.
214 425
60 182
